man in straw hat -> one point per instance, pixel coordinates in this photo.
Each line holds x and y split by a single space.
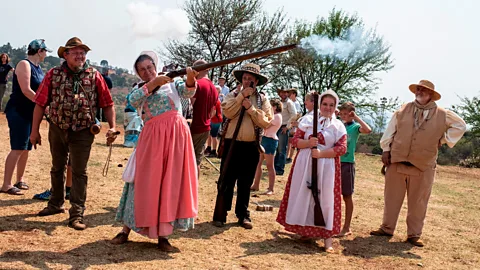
289 114
244 156
73 91
410 148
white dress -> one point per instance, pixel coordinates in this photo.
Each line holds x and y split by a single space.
300 199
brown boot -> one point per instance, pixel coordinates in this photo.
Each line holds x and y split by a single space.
415 241
77 225
380 232
164 245
49 211
120 238
246 223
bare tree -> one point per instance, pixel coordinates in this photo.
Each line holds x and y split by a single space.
352 77
226 28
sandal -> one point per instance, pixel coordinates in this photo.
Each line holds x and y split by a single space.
21 185
12 191
268 192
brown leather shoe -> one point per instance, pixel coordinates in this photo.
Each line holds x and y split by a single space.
120 238
246 223
380 232
164 245
415 241
77 225
49 211
219 224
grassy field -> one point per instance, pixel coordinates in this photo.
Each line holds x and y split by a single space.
451 231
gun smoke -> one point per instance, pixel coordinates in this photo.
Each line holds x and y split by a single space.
354 44
151 21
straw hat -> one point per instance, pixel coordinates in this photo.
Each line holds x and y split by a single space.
252 69
427 85
282 90
293 90
72 43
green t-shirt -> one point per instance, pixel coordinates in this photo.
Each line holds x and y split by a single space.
353 131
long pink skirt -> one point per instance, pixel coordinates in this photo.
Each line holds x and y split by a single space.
166 181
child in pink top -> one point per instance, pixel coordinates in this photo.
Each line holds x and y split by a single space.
270 144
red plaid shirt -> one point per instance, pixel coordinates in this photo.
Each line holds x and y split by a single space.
43 93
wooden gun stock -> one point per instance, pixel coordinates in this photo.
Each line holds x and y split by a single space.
317 209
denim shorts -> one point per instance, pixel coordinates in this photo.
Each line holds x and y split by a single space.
20 129
270 145
214 127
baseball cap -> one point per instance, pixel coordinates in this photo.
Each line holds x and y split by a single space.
38 44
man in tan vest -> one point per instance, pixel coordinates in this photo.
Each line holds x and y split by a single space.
410 149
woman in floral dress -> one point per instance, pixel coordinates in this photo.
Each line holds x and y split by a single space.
163 196
296 209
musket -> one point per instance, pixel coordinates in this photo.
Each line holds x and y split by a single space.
220 203
318 219
240 58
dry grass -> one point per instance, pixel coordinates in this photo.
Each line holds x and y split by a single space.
30 242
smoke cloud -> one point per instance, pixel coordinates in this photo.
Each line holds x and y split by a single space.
150 21
355 44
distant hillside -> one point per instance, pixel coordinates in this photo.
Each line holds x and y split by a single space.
120 76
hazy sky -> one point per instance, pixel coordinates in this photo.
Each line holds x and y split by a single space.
434 40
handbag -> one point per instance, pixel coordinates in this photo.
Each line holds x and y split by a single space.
129 173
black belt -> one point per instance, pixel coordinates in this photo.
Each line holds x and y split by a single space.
406 163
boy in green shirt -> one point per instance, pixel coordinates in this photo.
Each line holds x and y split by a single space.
354 126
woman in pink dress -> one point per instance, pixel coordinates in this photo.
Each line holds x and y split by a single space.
163 196
296 209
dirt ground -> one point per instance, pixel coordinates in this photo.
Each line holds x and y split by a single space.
30 242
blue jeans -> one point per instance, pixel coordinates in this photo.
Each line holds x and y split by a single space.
281 156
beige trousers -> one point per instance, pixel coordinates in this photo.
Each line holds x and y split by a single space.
399 179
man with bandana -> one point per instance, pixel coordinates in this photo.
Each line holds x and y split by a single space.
410 149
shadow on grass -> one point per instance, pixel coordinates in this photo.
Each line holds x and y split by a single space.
22 200
376 246
91 254
21 222
204 230
283 243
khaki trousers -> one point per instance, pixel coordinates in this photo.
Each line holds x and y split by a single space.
399 179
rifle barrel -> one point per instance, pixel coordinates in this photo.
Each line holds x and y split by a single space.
183 71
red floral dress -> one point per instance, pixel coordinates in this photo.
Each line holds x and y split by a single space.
296 208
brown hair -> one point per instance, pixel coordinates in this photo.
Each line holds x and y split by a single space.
8 57
278 104
349 106
309 95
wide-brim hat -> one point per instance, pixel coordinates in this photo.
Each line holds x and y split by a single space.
152 55
72 43
281 90
427 85
293 90
252 69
